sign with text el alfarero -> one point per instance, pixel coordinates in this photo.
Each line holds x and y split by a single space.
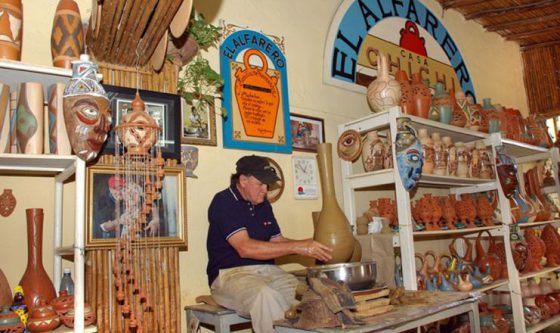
412 37
255 93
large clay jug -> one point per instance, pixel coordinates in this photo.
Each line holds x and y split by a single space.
333 229
384 92
37 285
67 37
407 99
11 25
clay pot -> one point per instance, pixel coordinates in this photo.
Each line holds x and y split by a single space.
421 95
484 210
29 118
36 283
474 115
488 259
536 250
68 318
407 98
43 318
333 229
383 92
373 152
427 151
448 212
63 303
11 29
451 154
67 37
551 240
10 321
460 109
440 155
462 160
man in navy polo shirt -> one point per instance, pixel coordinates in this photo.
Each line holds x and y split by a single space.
243 241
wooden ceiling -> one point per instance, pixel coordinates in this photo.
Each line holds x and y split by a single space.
530 23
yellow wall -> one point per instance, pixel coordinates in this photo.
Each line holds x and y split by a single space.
494 64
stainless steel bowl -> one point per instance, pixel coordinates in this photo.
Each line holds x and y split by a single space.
357 275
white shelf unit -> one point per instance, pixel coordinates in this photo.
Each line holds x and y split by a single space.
61 168
406 236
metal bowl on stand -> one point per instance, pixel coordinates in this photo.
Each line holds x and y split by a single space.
356 275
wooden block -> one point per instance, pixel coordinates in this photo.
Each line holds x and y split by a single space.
366 297
374 311
365 306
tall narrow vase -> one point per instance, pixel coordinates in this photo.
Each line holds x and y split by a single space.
29 118
4 118
11 25
67 37
59 143
333 229
35 282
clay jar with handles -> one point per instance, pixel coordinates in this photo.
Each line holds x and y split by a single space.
465 259
488 259
407 99
43 318
383 92
421 95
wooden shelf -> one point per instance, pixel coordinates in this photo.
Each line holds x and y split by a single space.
36 164
536 224
457 134
519 149
541 272
494 285
15 72
455 231
543 324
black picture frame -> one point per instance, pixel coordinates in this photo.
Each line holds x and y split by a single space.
165 108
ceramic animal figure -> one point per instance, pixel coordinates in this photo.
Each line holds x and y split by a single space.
448 212
484 210
551 240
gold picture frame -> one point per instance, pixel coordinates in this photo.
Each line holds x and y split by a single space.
100 209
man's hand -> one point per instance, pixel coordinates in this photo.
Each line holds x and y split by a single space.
152 228
313 249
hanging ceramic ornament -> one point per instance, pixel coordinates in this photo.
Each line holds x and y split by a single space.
87 112
409 153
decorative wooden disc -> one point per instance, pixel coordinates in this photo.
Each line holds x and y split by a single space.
349 146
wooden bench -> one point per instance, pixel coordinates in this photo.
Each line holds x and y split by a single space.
217 316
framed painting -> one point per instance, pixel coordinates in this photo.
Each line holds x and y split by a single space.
198 124
306 132
112 203
164 108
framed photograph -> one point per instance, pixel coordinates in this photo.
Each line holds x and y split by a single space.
198 125
165 108
306 183
306 132
111 205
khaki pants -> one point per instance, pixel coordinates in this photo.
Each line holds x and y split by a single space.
263 292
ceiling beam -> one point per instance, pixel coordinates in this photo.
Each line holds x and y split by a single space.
531 33
536 45
517 9
531 20
446 4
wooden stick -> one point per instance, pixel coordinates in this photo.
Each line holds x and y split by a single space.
123 12
165 270
164 22
145 9
172 305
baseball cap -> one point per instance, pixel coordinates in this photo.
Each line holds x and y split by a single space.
258 167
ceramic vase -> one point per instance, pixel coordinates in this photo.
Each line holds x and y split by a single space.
11 25
333 229
373 152
67 37
486 165
37 285
59 143
4 118
492 119
29 118
440 158
458 102
407 99
441 103
427 150
475 116
421 95
462 160
384 92
451 155
473 160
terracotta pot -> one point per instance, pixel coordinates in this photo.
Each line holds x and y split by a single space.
333 229
42 318
11 29
427 151
460 108
474 115
59 143
383 92
488 260
67 37
10 321
440 155
407 98
63 303
536 250
373 152
551 240
29 118
36 284
421 95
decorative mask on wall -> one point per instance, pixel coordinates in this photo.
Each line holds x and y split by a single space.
349 146
87 111
507 172
409 154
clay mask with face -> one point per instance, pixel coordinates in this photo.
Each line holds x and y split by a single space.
409 154
507 172
87 112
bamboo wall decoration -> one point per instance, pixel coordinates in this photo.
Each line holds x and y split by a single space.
161 271
541 68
